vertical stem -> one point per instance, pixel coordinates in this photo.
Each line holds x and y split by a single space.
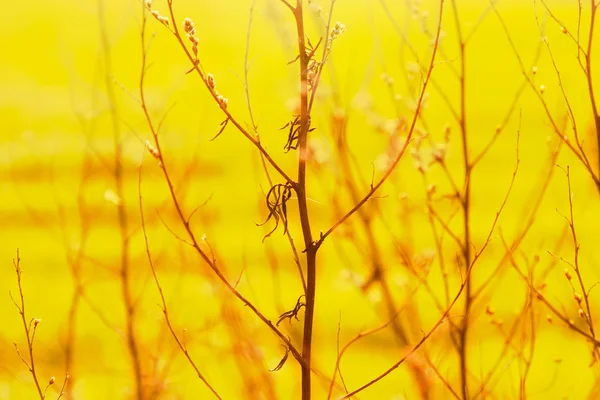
588 63
29 328
466 203
311 249
71 337
124 272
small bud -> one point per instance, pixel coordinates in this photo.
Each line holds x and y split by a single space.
210 80
222 101
549 318
188 26
163 20
148 3
568 274
542 89
577 297
337 30
489 311
581 313
563 29
36 321
534 70
51 381
152 150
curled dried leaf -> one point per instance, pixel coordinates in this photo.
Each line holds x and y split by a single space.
283 360
292 313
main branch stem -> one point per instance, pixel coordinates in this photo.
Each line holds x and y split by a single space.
311 248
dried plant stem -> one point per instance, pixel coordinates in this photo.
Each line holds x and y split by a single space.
559 132
378 272
75 260
29 328
300 188
75 264
419 104
426 336
587 314
196 67
193 241
590 84
346 347
541 297
125 267
164 309
465 200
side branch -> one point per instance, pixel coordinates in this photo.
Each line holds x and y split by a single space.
219 100
376 186
158 155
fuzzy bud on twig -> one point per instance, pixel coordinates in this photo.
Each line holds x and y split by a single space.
152 150
210 80
190 30
222 101
163 20
188 26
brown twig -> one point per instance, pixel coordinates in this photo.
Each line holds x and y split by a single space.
539 93
157 153
426 336
164 308
587 314
30 328
300 188
411 130
219 99
122 217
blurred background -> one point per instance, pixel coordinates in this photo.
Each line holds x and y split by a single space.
70 111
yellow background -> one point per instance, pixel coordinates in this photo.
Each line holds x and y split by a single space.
54 114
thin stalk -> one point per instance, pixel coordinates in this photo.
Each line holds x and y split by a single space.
466 205
588 70
125 268
311 248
